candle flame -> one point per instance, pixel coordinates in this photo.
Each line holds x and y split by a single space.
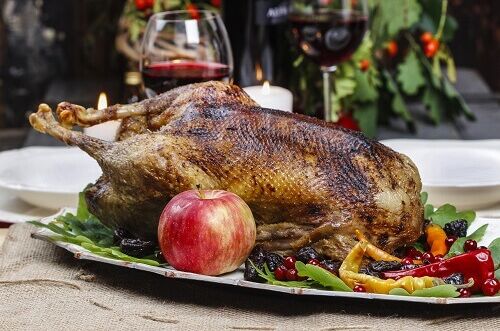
258 72
266 88
102 102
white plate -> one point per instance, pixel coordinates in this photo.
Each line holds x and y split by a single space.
464 173
47 177
236 278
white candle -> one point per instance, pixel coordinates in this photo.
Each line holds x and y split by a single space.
273 97
107 130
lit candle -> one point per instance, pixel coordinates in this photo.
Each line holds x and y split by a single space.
107 130
273 97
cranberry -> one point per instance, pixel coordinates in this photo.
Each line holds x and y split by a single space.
290 262
411 252
407 261
280 273
470 245
291 274
490 287
450 240
438 258
314 262
418 255
428 257
359 288
464 293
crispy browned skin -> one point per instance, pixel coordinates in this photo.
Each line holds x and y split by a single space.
307 182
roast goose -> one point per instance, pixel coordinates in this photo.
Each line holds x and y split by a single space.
306 181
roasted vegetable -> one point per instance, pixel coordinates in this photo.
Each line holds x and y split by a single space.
477 265
436 239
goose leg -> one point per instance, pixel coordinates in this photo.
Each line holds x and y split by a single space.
43 121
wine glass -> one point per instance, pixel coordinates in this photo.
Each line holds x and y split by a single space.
182 47
328 32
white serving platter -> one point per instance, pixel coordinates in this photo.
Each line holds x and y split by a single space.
47 177
466 173
236 278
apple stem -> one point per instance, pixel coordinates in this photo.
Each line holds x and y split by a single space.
202 194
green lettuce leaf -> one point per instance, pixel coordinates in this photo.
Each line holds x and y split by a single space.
440 291
321 276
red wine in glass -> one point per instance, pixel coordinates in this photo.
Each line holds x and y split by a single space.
329 37
163 76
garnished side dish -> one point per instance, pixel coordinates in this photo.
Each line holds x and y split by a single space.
445 262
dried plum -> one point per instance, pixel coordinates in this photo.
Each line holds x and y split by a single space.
456 228
332 266
376 267
307 253
380 266
258 258
454 279
137 247
119 234
274 260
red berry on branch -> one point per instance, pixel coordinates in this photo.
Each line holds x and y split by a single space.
193 11
143 4
426 37
216 3
431 48
392 48
364 64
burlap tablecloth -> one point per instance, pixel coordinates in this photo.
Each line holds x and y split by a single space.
43 287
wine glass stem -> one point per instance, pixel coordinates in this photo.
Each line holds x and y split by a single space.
330 115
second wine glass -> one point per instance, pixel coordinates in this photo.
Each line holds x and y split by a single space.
180 49
328 32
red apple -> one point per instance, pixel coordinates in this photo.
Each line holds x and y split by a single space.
207 232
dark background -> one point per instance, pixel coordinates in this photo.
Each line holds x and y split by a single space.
76 43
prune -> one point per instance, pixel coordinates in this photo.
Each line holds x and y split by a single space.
307 253
274 260
375 268
137 247
454 279
119 234
258 258
456 228
258 255
332 266
379 266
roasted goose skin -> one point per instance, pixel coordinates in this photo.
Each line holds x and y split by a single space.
307 182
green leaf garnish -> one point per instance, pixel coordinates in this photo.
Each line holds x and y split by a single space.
458 246
321 276
424 196
85 230
440 291
495 252
268 275
448 213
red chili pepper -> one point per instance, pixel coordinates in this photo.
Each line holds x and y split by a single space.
477 265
